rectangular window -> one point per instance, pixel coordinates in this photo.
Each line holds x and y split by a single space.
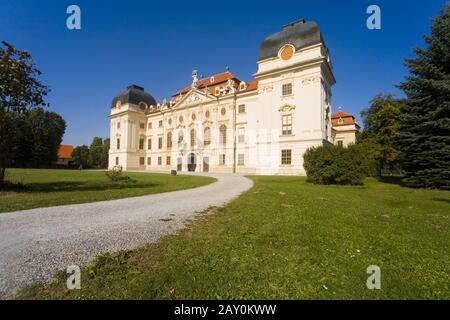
160 143
118 144
287 125
142 125
141 161
168 161
160 124
241 108
141 144
287 89
159 161
340 143
149 125
286 157
149 161
149 144
117 161
192 137
222 159
241 135
118 125
240 159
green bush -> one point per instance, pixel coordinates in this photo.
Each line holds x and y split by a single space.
336 165
116 175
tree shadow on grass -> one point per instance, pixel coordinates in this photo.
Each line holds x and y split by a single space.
69 186
446 200
398 180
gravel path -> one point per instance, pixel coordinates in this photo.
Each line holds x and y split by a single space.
35 244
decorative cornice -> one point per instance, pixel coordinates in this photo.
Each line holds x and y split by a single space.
286 108
311 79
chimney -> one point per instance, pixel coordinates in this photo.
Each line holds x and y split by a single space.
133 86
290 25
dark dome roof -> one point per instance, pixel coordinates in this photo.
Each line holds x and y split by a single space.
134 94
298 33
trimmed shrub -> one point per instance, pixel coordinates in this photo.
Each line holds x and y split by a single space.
116 175
335 165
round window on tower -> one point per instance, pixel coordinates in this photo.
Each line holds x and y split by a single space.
142 105
287 52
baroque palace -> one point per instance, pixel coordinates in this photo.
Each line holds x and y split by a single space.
224 124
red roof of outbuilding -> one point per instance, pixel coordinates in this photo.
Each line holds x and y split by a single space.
65 152
342 118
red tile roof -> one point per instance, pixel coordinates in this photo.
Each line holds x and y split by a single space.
217 80
252 85
340 114
65 152
341 118
209 82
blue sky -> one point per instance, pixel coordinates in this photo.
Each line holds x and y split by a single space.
158 44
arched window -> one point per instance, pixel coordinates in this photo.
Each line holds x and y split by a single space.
207 136
223 134
180 136
192 137
169 140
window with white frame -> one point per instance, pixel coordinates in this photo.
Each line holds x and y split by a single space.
207 136
223 134
141 144
240 159
222 159
286 157
241 108
241 135
286 89
286 124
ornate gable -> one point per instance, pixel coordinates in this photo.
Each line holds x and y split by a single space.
194 97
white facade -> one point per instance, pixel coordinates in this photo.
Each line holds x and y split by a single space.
270 122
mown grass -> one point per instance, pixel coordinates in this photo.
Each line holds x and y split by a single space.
287 239
45 188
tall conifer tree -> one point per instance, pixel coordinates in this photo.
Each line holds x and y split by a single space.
424 136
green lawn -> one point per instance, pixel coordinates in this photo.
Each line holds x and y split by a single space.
287 239
58 187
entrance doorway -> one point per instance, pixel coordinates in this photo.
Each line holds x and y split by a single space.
192 162
180 164
205 164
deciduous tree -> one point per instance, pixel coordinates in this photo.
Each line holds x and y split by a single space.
20 91
381 126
